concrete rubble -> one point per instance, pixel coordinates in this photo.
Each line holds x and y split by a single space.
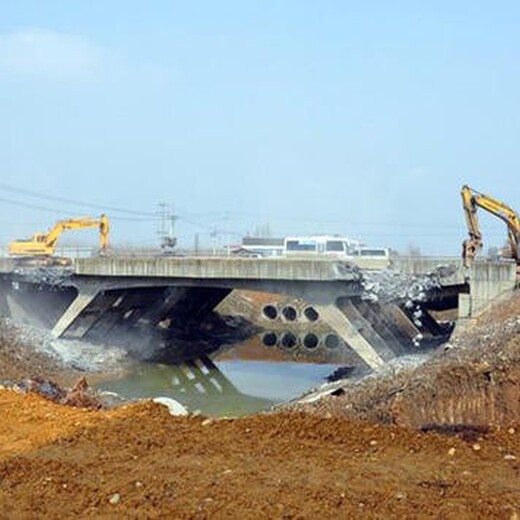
391 286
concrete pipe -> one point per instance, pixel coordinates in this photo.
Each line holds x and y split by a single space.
310 341
269 339
288 340
311 314
289 313
270 312
331 341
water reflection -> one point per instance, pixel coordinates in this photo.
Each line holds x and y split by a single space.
235 387
197 385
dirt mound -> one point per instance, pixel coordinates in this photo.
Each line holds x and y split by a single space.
81 395
475 380
139 462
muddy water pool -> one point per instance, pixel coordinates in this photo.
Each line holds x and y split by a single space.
229 388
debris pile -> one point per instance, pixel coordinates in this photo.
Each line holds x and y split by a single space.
389 285
81 395
22 355
44 387
474 380
45 275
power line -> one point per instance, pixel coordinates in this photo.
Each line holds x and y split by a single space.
146 216
210 228
39 195
314 220
57 211
141 216
33 206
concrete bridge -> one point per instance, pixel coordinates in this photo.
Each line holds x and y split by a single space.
109 299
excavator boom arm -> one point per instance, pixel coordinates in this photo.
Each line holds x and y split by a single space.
45 244
472 200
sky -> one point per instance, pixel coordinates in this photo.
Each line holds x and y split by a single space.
358 118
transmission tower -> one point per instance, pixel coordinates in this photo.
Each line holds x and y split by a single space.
166 231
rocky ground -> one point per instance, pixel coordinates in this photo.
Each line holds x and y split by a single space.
19 358
27 353
440 439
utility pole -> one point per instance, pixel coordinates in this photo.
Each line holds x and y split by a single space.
166 231
213 235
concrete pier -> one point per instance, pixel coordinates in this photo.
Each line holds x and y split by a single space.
351 334
80 303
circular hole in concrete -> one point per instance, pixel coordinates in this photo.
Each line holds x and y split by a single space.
331 341
288 340
310 340
269 339
289 313
311 313
270 312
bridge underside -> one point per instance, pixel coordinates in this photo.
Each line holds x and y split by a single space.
141 320
178 318
150 301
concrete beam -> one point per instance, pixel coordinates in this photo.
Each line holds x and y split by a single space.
430 324
402 336
216 268
350 334
395 313
379 322
366 329
94 317
80 303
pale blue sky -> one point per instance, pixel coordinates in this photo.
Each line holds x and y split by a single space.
361 118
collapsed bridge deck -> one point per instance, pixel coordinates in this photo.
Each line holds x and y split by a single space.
106 298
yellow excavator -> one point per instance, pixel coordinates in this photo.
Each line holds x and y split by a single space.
472 200
44 244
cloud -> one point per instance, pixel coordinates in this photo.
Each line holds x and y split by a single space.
50 55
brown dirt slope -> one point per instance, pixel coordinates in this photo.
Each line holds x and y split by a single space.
139 462
475 380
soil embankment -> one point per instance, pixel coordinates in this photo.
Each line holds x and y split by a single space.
139 462
473 380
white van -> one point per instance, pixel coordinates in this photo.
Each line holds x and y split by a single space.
372 257
330 246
